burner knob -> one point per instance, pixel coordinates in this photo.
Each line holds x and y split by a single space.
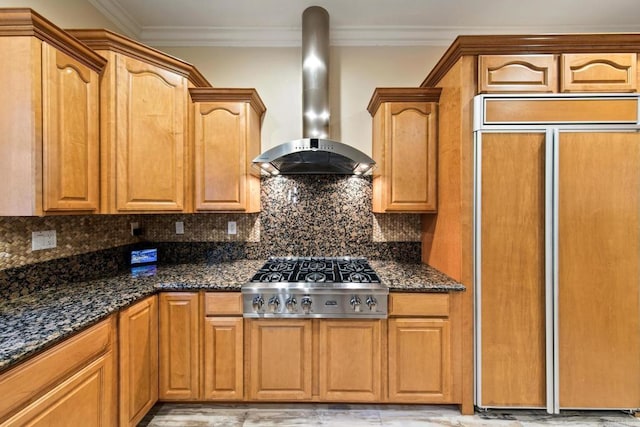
306 304
274 303
371 303
355 303
258 302
291 304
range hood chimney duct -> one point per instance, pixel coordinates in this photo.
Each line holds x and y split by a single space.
315 73
314 153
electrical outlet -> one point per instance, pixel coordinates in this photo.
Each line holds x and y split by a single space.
179 227
232 227
43 240
134 227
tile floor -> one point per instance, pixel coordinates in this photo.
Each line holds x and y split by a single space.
302 415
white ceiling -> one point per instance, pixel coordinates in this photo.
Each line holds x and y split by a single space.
360 22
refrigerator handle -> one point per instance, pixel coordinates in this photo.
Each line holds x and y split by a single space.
548 270
554 269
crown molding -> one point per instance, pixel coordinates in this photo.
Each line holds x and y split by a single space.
264 36
122 19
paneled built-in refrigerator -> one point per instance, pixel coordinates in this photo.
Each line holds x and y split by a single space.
557 252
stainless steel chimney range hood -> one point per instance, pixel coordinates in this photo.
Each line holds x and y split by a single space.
315 154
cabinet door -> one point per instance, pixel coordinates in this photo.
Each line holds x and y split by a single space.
419 360
599 269
598 72
280 359
350 360
406 179
151 114
512 357
138 332
517 73
223 358
84 399
221 156
179 343
70 133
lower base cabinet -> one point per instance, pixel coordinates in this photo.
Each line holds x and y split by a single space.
279 353
223 352
179 344
138 360
420 342
72 384
351 360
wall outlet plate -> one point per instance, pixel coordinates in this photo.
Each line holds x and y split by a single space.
43 240
179 227
232 227
134 226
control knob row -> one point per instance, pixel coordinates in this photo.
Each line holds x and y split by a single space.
274 304
356 303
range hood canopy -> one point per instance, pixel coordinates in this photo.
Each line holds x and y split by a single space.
314 154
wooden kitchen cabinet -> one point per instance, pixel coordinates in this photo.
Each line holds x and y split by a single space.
179 346
351 363
404 148
49 156
138 334
420 349
73 383
517 73
226 140
144 130
599 72
223 353
279 354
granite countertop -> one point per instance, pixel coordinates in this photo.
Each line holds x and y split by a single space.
34 322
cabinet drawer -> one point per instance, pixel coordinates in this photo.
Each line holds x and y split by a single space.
613 72
36 376
223 304
517 73
423 305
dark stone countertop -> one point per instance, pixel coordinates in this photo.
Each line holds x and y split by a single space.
34 322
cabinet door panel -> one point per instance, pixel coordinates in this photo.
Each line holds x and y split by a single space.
599 269
513 353
598 72
220 160
85 399
350 360
151 116
419 360
280 359
223 358
70 133
517 73
411 152
179 344
138 331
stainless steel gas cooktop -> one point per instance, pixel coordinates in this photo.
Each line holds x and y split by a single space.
315 287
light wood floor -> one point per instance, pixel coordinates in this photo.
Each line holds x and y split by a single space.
302 415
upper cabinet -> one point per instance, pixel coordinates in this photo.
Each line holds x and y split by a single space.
565 72
596 72
49 153
517 73
144 125
404 148
226 128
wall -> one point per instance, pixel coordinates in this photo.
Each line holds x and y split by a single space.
65 13
276 73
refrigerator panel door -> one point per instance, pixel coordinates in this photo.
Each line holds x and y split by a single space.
513 270
599 270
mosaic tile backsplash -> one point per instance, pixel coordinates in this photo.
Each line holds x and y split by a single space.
326 215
